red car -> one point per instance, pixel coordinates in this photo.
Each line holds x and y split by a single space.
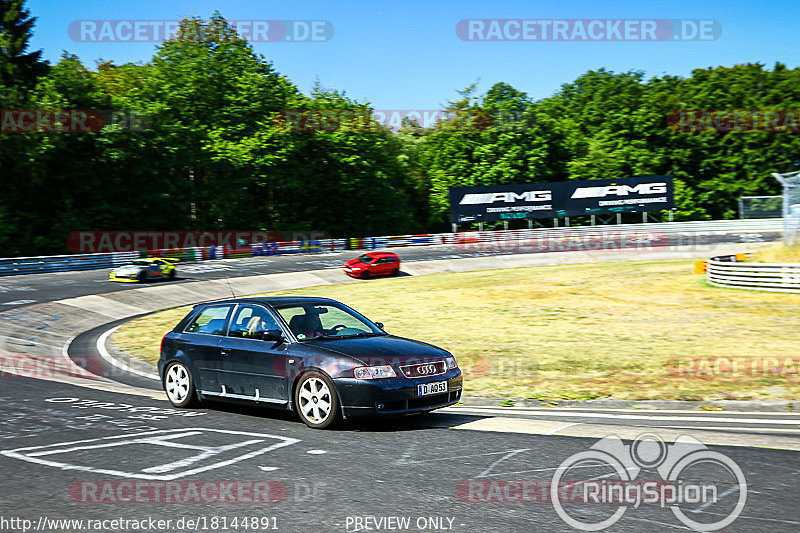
373 264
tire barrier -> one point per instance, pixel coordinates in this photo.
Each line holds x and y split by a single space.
731 271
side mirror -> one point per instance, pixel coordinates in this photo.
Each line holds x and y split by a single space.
379 324
274 335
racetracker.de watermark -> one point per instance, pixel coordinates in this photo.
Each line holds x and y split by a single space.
157 492
82 242
560 241
733 367
156 31
17 365
735 121
69 120
354 120
588 30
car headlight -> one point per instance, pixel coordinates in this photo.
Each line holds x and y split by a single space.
374 372
451 362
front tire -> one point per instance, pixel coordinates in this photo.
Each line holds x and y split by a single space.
143 277
179 385
316 402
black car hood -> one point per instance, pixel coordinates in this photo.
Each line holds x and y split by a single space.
384 350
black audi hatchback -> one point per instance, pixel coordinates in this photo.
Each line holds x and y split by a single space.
315 356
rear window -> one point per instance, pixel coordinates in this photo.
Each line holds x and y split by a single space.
210 321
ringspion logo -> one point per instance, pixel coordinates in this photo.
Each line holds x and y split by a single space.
693 477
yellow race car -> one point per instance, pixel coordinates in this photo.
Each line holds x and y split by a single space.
147 269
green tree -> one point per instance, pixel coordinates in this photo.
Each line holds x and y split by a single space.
19 68
19 71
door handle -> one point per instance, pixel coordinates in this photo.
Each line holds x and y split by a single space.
224 353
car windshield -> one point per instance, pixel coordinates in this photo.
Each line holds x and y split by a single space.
140 262
365 259
326 320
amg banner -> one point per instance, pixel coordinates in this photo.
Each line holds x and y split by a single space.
561 199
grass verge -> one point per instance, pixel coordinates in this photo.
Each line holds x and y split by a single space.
777 253
628 330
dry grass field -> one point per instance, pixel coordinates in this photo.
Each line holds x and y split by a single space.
627 330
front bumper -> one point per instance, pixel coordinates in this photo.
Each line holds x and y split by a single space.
354 273
395 396
133 278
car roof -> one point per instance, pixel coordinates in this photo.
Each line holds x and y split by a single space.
271 300
379 254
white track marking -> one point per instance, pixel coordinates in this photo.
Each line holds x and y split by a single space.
509 455
734 428
562 428
405 461
623 416
19 302
101 349
546 410
163 472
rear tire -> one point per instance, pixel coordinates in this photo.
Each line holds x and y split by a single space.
315 401
395 272
143 277
179 385
171 275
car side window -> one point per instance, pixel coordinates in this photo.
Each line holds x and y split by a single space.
251 321
210 321
335 317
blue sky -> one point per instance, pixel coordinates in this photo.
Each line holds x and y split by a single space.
406 54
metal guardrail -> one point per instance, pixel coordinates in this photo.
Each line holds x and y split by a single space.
653 232
726 271
532 240
63 263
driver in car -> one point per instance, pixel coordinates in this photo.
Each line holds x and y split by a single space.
308 325
311 325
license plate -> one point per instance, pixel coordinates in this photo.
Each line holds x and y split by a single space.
437 387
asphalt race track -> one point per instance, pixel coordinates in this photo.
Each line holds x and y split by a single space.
411 468
114 454
18 291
